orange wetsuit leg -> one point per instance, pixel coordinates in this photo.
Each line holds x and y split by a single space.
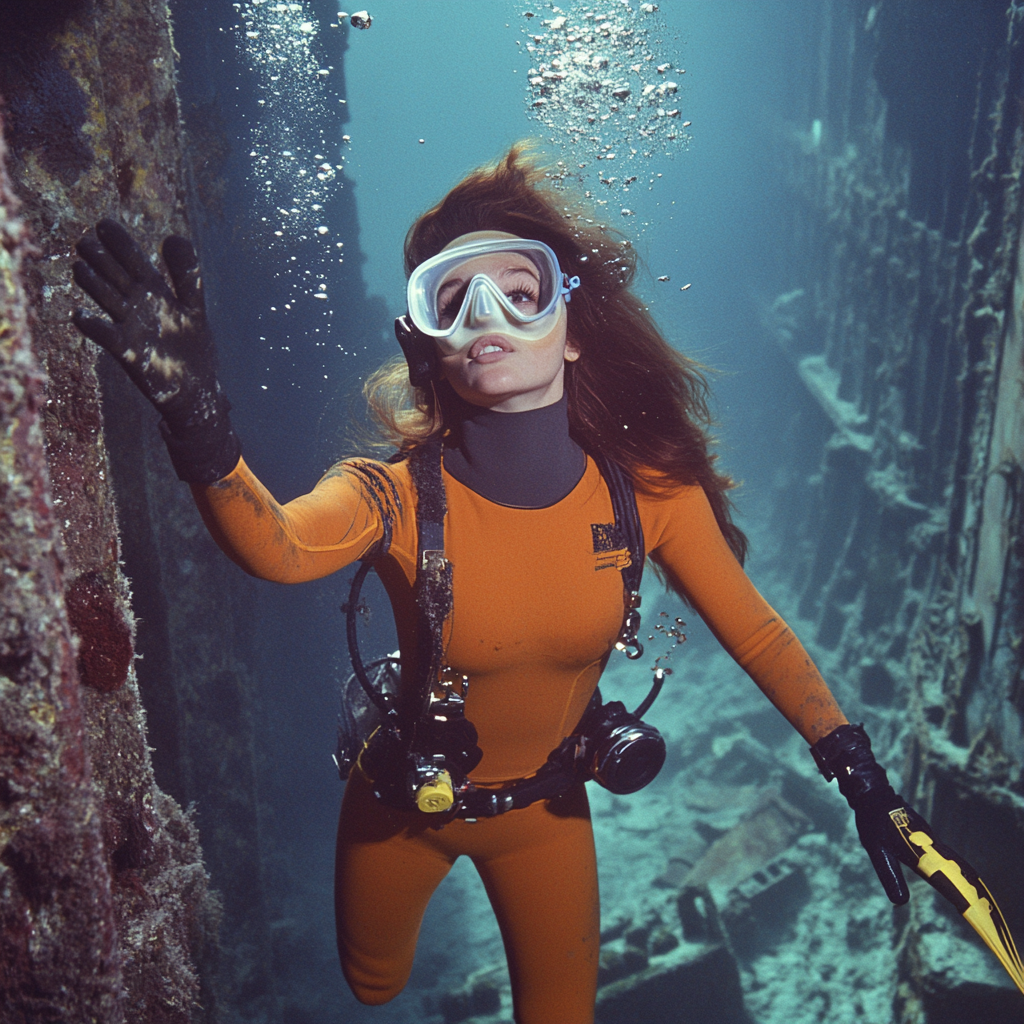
542 882
540 872
384 876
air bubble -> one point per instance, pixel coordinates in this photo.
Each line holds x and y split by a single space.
583 75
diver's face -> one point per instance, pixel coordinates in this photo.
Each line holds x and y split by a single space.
502 368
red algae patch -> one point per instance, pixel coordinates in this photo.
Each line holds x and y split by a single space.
104 638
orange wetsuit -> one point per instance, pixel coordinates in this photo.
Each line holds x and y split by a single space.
536 610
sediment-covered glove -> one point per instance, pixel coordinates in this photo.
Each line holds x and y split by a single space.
845 754
161 338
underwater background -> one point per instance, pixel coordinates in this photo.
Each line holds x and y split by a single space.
825 197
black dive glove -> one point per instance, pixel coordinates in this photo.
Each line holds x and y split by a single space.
845 754
162 340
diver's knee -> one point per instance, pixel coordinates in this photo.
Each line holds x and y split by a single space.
374 996
373 984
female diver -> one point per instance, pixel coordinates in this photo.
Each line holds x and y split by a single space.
535 366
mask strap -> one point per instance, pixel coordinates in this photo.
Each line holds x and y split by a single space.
568 283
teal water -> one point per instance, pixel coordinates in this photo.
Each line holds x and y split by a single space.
454 76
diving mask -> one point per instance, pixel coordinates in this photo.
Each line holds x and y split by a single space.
498 283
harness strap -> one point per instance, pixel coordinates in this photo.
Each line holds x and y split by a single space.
433 585
631 536
627 518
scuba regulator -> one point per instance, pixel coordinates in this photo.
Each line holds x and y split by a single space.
620 751
431 770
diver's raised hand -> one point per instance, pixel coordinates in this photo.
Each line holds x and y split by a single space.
160 336
845 755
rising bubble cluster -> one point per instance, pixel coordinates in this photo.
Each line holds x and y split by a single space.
670 630
606 90
296 145
296 157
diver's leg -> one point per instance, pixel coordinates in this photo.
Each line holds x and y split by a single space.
385 874
542 883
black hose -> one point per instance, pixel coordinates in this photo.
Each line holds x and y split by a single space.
645 705
351 611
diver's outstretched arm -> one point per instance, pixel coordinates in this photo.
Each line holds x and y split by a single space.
160 336
683 537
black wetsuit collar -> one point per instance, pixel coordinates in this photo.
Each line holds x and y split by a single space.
522 459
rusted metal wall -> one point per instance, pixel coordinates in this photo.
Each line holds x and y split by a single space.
906 338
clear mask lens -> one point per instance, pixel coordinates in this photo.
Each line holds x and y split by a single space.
513 286
486 310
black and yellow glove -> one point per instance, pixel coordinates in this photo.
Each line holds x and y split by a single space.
161 337
845 755
892 831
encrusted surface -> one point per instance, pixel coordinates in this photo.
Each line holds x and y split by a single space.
911 567
118 916
58 937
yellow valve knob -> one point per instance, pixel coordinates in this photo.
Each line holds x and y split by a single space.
437 795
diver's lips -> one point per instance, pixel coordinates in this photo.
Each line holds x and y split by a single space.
477 354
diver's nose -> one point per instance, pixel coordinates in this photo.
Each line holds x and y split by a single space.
483 306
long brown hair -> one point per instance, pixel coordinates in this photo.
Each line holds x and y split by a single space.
630 394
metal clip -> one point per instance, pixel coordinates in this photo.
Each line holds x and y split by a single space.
433 559
627 641
449 698
498 803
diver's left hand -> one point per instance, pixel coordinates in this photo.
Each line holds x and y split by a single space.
893 832
845 754
884 843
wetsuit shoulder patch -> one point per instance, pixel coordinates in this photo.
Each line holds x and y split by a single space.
607 537
609 546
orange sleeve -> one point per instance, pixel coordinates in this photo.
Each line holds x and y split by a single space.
312 536
684 539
